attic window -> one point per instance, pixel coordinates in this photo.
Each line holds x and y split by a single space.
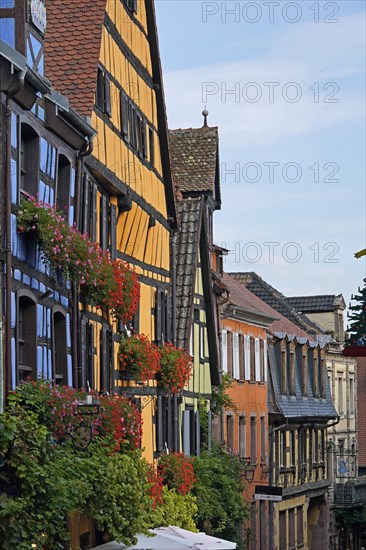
131 5
103 94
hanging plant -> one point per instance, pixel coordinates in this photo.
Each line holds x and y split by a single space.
177 472
121 423
175 368
110 284
139 357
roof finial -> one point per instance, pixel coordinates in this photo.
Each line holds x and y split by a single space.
205 114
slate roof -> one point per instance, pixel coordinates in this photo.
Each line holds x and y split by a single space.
276 300
240 295
72 49
315 304
290 406
298 406
190 217
195 160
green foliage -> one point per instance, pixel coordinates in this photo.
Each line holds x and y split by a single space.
357 317
43 482
219 492
176 509
353 516
221 400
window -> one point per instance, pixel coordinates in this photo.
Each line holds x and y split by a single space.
316 372
292 371
131 5
26 339
263 440
190 431
88 352
322 374
302 447
291 529
304 380
230 431
351 396
162 318
242 436
252 359
63 184
103 221
230 354
151 147
315 447
283 530
262 361
253 439
300 526
60 348
7 26
283 450
241 357
340 394
292 448
103 93
29 160
105 340
283 369
89 212
165 424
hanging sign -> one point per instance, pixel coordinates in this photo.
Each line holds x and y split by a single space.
38 15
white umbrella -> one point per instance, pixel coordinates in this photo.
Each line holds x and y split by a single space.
202 541
158 542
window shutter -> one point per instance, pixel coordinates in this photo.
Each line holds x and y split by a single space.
104 383
86 205
168 316
104 223
257 360
124 115
198 434
100 90
265 353
93 230
159 422
113 231
83 352
247 357
236 373
224 351
158 306
186 433
107 96
140 142
144 139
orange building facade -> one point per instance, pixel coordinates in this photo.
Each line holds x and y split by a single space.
245 429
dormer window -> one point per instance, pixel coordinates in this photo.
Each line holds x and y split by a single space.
292 368
304 371
316 373
131 5
283 368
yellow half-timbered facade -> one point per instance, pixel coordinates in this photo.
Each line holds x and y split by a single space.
126 200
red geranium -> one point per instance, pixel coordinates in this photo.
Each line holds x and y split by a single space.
139 357
176 471
175 368
155 486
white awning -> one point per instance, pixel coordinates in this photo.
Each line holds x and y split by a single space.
172 538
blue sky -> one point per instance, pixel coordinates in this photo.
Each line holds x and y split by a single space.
292 132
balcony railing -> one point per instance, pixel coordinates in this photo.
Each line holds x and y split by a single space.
350 493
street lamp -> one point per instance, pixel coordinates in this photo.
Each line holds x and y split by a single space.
249 469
